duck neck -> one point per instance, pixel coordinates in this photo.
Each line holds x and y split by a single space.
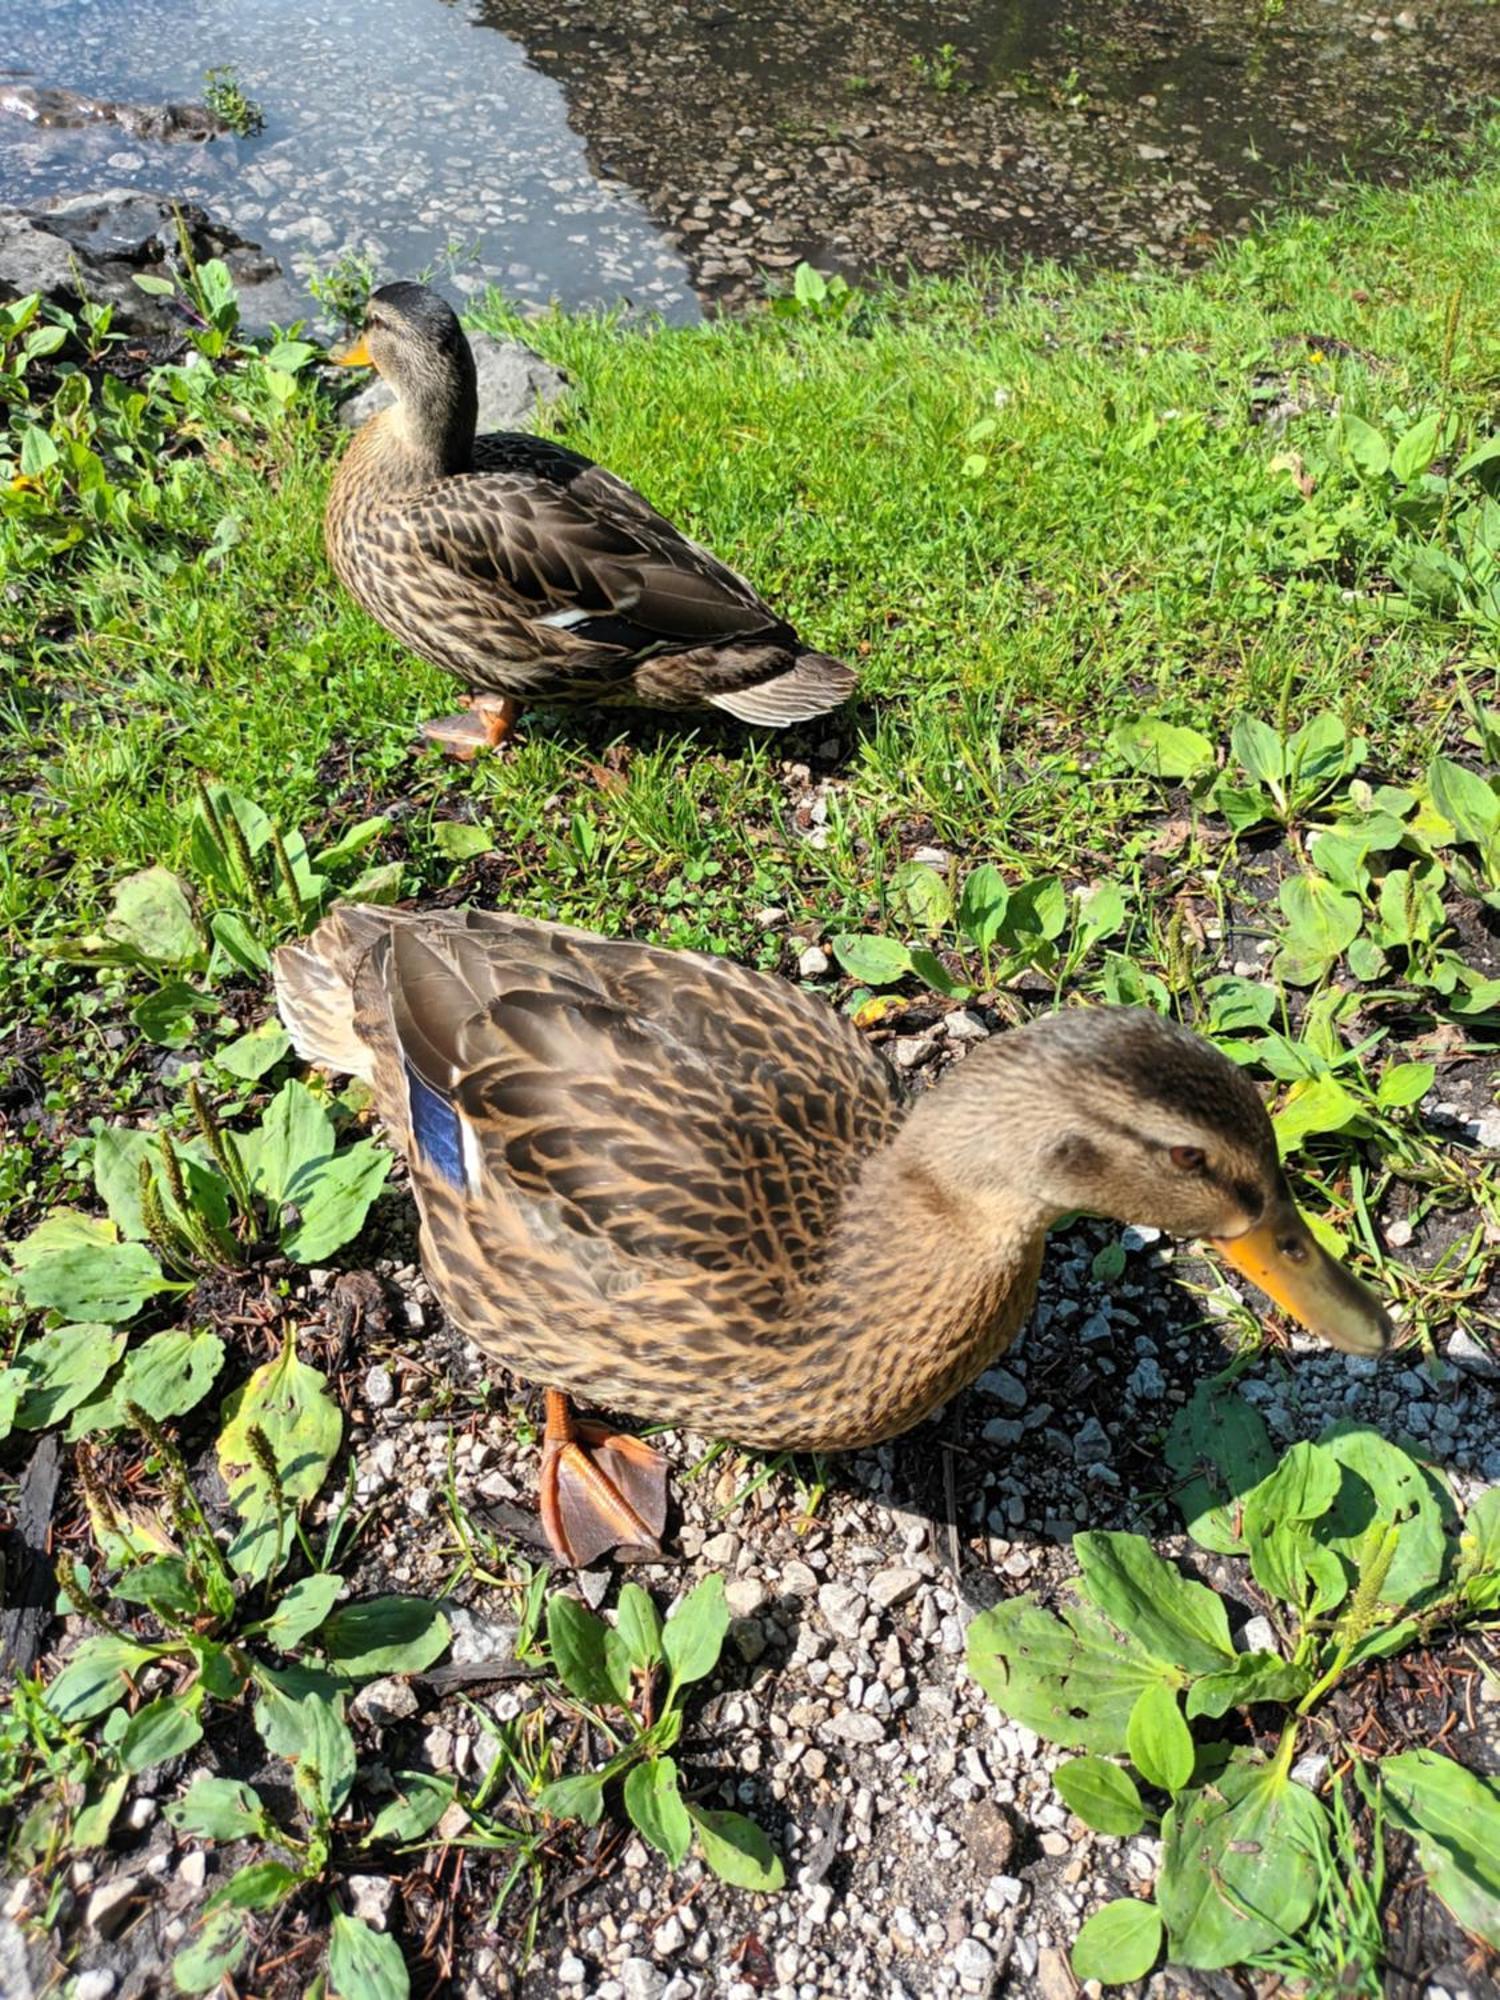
429 434
961 1254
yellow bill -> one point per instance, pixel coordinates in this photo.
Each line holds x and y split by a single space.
1283 1257
355 355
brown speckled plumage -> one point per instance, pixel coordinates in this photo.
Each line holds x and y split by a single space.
687 1190
529 572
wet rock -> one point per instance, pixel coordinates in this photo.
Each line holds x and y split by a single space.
94 245
513 383
70 109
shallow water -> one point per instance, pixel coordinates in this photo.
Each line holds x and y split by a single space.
395 128
500 140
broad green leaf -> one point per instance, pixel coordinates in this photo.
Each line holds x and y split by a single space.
1363 445
1237 1005
260 1885
575 1638
654 1803
919 897
95 1678
693 1637
1467 801
96 1281
1253 1677
1101 913
982 905
1037 909
1366 961
92 1825
364 1964
162 1729
1103 1796
460 841
1073 1678
1174 1619
250 1056
166 1376
1219 1448
1162 749
1404 1083
1259 749
59 1369
288 1403
1241 1865
1319 751
932 972
639 1626
218 1948
165 1584
580 1797
152 915
312 1735
384 1635
420 1802
1118 1943
118 1152
1285 1558
1312 1108
63 1229
302 1609
1411 911
1379 1481
296 1132
1478 1571
380 884
220 1809
736 1850
874 961
1455 1816
239 944
332 1199
351 843
169 1015
1159 1742
1243 806
1416 448
1321 921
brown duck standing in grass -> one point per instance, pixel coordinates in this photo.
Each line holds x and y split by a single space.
679 1188
531 573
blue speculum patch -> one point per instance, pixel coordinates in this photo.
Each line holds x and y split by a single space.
435 1128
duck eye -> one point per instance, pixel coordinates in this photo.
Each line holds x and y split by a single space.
1191 1159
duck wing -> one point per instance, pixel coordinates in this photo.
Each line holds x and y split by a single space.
576 553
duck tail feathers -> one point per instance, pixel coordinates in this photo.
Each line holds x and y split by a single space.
813 684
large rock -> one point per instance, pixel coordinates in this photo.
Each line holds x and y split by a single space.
69 109
512 382
73 247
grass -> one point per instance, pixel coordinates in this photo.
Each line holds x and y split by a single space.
1176 611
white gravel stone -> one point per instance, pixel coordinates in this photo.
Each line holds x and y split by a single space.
890 1587
843 1608
641 1980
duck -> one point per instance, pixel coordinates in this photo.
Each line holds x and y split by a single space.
531 573
660 1183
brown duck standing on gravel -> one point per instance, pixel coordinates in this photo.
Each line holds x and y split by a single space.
531 573
679 1188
